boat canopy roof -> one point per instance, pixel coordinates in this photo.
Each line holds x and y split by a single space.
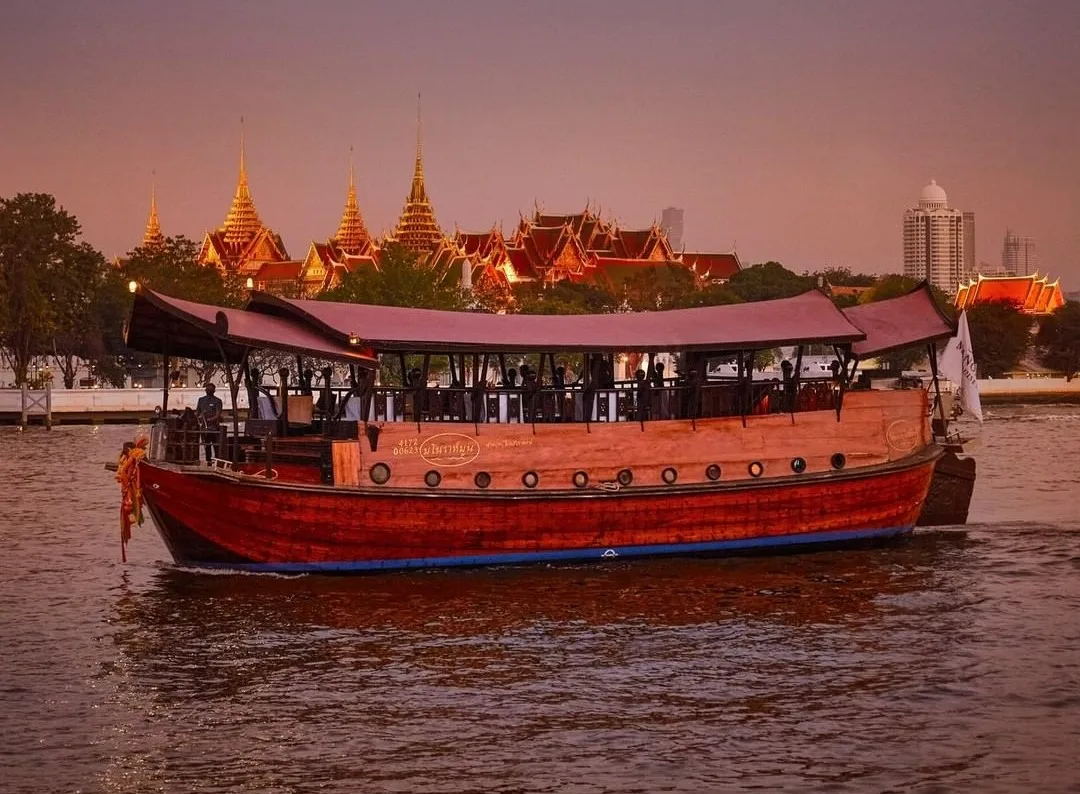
807 318
164 325
891 324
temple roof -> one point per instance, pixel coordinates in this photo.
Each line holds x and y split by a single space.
1034 295
712 266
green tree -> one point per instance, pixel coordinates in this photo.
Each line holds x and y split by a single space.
38 248
843 277
173 269
77 329
1000 335
768 281
565 297
402 279
1058 340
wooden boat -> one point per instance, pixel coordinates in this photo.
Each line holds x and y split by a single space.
475 474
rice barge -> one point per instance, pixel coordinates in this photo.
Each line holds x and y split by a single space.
571 463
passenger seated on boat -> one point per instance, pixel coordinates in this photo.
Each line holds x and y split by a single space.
787 368
531 386
642 392
558 382
511 379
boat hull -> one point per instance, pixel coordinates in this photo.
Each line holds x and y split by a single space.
212 519
950 492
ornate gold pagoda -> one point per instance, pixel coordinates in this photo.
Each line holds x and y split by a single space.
417 229
243 244
152 237
352 235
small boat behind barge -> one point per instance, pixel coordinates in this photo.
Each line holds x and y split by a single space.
593 469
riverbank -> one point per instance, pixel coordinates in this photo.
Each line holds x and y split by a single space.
101 406
1005 391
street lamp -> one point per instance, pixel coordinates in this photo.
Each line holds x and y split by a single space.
250 283
133 286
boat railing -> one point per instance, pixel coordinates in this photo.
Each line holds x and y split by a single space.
626 401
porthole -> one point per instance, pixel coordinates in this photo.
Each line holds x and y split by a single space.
379 474
798 465
530 479
838 460
625 477
669 475
482 479
432 479
581 479
756 469
712 471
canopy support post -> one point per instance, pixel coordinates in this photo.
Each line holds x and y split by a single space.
283 398
795 378
165 371
931 350
234 391
844 357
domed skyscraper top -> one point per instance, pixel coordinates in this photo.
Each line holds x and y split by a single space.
933 197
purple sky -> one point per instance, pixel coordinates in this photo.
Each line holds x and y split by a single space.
798 130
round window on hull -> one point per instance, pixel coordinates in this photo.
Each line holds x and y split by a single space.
379 474
432 479
530 479
669 475
838 460
756 469
713 472
482 479
581 479
798 465
625 477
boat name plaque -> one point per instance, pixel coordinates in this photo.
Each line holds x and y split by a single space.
442 449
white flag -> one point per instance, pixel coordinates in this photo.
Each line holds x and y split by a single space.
957 363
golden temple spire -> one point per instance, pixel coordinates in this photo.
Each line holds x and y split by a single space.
242 223
153 237
417 229
352 234
418 192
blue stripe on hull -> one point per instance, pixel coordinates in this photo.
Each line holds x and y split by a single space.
564 555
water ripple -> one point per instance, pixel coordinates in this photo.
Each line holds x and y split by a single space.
943 663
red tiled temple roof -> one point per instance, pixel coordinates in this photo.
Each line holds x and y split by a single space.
713 265
1032 294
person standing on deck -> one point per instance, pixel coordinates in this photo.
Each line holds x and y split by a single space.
209 410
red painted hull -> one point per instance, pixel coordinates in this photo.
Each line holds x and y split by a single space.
212 519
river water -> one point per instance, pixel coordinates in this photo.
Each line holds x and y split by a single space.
947 662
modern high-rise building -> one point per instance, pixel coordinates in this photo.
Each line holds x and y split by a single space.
1018 255
671 223
970 268
934 240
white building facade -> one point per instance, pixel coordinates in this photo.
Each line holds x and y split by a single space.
934 240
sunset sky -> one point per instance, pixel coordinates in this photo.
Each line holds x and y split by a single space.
797 131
